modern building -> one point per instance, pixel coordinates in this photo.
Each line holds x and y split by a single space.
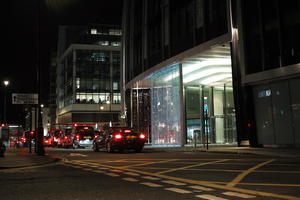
88 74
216 71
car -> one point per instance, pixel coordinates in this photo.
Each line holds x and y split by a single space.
83 137
67 138
119 138
47 141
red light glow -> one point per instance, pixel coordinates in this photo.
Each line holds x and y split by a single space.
142 136
127 131
77 137
118 136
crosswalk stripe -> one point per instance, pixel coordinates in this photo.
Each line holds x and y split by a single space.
151 184
181 191
210 197
102 168
131 173
198 187
236 194
112 174
130 179
173 182
151 178
115 170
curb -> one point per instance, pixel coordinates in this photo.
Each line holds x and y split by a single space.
53 160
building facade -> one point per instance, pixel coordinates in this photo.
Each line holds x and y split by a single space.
88 74
214 71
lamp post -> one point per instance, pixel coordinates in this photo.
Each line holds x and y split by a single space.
6 83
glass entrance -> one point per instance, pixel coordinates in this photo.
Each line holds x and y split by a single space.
209 104
210 113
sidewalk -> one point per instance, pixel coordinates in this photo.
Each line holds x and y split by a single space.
16 158
274 152
20 157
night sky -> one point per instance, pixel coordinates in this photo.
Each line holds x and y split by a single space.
22 21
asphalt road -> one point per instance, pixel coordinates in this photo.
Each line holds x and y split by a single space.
83 174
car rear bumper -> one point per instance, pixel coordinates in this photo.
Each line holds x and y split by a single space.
127 144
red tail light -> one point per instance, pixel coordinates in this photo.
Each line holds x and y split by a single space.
127 131
77 137
142 136
118 136
96 136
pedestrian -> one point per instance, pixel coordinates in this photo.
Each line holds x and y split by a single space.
2 148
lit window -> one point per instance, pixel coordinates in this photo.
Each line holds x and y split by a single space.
94 31
115 44
103 43
77 83
115 86
117 98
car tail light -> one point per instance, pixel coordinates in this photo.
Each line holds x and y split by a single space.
127 131
142 136
118 136
66 137
77 137
96 136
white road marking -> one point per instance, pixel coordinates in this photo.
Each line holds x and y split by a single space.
115 170
236 194
151 184
112 174
210 197
131 173
173 182
78 154
181 191
151 178
130 179
198 187
102 168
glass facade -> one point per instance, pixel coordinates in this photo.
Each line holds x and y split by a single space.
97 77
166 128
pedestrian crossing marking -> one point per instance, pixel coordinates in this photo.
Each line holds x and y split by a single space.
198 187
112 174
236 194
181 191
173 182
151 178
132 173
151 184
130 179
210 197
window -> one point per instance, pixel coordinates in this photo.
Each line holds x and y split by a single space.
115 86
115 44
116 98
93 31
103 43
115 32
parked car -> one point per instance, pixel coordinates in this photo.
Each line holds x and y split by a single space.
119 138
83 136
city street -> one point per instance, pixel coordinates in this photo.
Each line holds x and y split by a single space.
84 174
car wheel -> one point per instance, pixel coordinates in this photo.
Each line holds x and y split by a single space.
109 148
75 146
95 147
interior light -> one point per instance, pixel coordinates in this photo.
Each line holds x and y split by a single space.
215 78
205 73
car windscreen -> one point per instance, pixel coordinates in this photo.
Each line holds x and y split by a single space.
85 131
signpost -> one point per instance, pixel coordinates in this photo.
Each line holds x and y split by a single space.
27 99
24 98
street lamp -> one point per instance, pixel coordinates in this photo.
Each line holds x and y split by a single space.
6 83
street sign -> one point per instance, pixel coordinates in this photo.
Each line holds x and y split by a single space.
23 98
